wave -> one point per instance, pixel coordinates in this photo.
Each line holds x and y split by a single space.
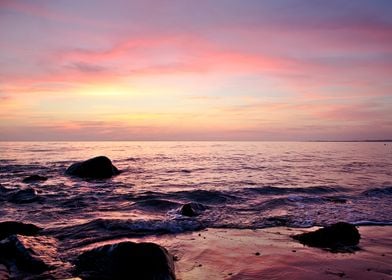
105 229
157 204
268 190
205 196
378 191
373 223
179 171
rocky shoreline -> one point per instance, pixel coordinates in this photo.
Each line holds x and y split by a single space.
28 251
25 253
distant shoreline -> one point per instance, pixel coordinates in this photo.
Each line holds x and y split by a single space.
297 141
362 141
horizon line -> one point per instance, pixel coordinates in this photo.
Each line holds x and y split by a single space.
206 140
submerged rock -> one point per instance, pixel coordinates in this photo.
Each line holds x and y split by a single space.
32 254
333 237
9 228
34 178
24 196
126 260
192 209
99 168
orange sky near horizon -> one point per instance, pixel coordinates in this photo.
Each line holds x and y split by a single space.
195 70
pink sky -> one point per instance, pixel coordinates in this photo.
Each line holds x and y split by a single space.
196 70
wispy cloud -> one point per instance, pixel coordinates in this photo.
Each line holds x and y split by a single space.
287 69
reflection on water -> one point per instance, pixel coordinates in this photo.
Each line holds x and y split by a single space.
241 184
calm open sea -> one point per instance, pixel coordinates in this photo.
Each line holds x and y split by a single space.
240 184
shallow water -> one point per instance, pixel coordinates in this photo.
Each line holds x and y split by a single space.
241 184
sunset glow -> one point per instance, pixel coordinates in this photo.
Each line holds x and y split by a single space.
195 70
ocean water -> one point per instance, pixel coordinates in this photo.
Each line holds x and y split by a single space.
239 184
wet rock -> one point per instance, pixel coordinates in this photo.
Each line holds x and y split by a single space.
32 254
192 209
9 228
126 260
24 196
4 273
96 168
34 178
334 237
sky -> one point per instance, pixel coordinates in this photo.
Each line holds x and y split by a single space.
196 70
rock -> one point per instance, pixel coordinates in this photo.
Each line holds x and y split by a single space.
34 178
192 209
99 168
126 260
333 237
24 196
9 228
32 254
4 273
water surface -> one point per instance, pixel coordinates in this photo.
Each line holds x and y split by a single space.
241 185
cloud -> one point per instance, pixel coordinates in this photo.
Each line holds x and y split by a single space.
271 68
86 67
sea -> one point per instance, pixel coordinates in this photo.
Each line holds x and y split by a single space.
238 185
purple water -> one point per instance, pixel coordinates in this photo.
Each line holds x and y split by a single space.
241 184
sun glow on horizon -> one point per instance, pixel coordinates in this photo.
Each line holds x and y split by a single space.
286 70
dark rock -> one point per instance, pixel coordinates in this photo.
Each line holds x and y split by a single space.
10 228
126 260
32 254
334 237
192 209
96 168
34 178
24 196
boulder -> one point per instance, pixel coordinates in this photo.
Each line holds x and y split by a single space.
9 228
24 196
191 209
34 178
126 260
334 237
32 254
96 168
